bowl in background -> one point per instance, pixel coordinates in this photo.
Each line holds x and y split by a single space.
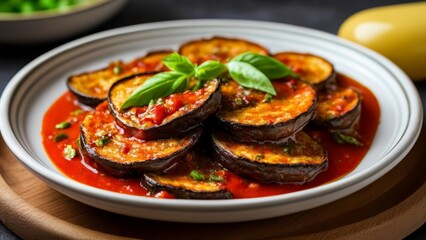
51 25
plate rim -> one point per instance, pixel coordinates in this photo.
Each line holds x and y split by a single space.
412 132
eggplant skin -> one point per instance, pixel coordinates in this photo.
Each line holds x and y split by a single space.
196 176
267 122
155 186
124 156
134 169
277 133
281 173
218 48
174 127
91 88
348 99
312 69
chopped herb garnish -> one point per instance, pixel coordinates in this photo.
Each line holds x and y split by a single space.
70 152
259 157
102 141
267 98
342 138
117 70
77 112
78 142
286 149
60 137
196 175
63 125
239 101
215 178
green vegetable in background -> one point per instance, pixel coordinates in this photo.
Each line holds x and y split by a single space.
30 6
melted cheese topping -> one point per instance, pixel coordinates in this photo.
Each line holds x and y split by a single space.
120 148
145 116
97 83
293 99
310 68
180 175
336 103
304 150
220 49
188 183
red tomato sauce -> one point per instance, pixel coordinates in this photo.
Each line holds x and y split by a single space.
342 158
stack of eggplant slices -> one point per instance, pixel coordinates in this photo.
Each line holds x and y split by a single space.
182 120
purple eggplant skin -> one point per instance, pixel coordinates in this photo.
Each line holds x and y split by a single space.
88 100
345 121
155 186
175 127
277 133
294 173
134 169
82 84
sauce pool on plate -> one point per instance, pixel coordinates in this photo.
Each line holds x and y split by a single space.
61 129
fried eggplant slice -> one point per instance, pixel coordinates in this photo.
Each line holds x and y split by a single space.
91 88
338 108
253 116
195 177
122 156
218 48
168 117
297 162
312 69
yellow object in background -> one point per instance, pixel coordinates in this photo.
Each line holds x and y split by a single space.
397 31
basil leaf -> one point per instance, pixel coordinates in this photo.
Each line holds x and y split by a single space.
197 176
179 63
271 67
209 70
342 138
248 76
158 86
180 85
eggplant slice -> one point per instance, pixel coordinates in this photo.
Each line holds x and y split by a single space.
312 69
253 116
338 108
297 162
218 48
123 156
170 117
91 88
195 177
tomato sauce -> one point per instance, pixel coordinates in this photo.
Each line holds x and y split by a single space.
342 158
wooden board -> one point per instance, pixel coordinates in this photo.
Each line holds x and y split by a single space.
390 208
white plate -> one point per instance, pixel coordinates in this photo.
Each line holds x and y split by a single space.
33 89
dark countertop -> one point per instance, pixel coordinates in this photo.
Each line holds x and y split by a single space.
326 15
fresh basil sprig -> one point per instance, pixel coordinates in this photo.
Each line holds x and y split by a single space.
250 70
